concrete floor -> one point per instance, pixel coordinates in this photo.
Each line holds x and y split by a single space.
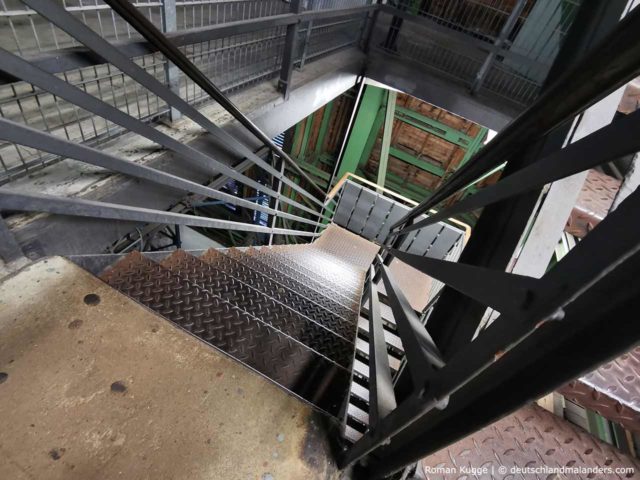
95 386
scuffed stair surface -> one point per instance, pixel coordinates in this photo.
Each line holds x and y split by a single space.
288 312
233 330
101 388
532 437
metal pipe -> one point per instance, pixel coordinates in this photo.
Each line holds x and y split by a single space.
29 73
75 28
23 202
23 135
132 15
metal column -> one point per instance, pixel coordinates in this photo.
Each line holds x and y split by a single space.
171 72
290 50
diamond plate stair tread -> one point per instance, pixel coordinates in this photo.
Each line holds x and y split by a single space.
530 437
220 324
314 261
353 270
255 303
327 274
304 264
612 390
292 283
342 261
286 267
590 398
283 294
347 246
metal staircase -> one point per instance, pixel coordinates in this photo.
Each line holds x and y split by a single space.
330 321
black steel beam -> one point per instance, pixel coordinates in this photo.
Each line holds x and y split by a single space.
594 297
290 50
496 235
421 352
382 399
456 317
605 145
506 292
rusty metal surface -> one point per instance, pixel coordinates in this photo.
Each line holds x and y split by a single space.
530 438
262 307
593 204
290 268
278 357
601 403
284 280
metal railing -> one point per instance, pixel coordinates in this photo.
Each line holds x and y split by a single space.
235 43
544 323
54 112
499 47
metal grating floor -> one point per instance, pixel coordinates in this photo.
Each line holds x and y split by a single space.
289 313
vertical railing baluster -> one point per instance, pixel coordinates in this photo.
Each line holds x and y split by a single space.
171 72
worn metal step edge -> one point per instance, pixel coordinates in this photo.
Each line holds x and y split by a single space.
179 263
287 295
311 283
302 289
329 402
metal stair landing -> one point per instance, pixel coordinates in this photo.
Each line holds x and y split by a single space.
276 313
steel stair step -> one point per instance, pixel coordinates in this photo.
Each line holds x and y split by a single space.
253 302
284 266
316 264
293 283
612 390
279 292
360 392
219 323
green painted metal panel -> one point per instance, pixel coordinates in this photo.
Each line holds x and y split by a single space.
386 136
324 126
305 138
433 127
371 101
316 172
476 144
373 135
422 164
